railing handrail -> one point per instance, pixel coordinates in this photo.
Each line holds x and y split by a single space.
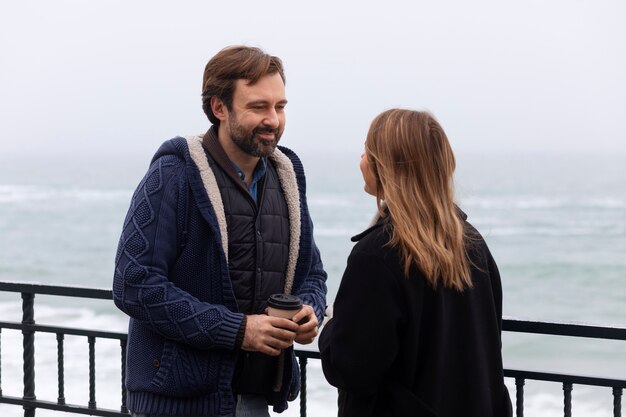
66 291
566 378
594 331
73 331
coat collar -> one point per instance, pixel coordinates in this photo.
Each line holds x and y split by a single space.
382 221
213 146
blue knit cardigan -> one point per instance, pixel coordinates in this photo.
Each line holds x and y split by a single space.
172 279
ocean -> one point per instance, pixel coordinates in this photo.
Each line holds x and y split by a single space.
554 221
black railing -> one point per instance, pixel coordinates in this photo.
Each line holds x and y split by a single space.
29 327
568 381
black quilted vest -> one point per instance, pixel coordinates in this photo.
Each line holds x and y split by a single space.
258 251
258 239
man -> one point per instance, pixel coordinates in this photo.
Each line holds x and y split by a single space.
220 222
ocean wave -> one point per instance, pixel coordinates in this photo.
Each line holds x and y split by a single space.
336 231
556 231
30 193
331 200
540 202
17 194
78 317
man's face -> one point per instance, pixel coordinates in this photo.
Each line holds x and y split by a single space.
257 119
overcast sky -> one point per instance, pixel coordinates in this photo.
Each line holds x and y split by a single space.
111 76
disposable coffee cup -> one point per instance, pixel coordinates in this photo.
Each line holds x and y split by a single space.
283 305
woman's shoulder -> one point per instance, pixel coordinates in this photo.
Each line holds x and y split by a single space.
373 249
374 238
475 242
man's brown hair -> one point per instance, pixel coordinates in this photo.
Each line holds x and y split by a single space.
231 64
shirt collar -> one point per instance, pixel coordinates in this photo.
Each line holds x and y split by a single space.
257 174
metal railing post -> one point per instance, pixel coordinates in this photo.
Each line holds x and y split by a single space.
60 369
519 397
0 362
617 402
124 408
567 399
28 319
303 361
92 371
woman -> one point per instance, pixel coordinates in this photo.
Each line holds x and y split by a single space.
417 317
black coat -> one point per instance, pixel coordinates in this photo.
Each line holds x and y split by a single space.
399 347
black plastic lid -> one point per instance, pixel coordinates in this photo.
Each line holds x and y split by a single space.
284 301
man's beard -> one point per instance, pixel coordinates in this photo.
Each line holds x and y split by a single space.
249 142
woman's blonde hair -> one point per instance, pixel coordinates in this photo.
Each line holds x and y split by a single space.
413 164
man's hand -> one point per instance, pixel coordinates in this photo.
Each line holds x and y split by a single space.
307 331
267 334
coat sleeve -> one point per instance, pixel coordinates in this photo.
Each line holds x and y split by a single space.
360 343
147 250
496 285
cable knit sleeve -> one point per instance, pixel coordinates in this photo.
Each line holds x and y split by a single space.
147 250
